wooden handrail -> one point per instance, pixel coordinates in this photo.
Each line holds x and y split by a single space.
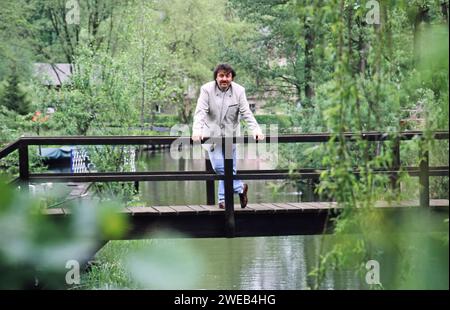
423 171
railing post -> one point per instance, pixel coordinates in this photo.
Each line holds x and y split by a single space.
23 166
227 150
210 190
424 180
395 164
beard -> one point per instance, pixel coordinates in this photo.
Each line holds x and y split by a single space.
224 85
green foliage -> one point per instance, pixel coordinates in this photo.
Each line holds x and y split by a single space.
319 63
359 103
146 264
34 249
12 124
14 97
156 77
366 78
282 121
431 80
16 38
100 94
166 120
287 41
113 159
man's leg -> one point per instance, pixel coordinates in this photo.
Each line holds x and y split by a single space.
237 184
217 162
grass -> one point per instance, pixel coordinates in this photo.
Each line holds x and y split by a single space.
108 270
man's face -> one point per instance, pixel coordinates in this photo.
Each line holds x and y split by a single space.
224 79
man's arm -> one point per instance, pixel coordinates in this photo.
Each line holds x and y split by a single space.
200 114
247 115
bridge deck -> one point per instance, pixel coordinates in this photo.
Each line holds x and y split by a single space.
257 219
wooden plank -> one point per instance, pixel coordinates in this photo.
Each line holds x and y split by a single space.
76 192
302 205
333 204
260 208
198 209
320 205
287 207
307 205
406 203
66 211
273 206
164 210
439 202
183 210
313 204
410 203
142 210
382 204
53 211
79 189
296 205
212 208
237 208
327 205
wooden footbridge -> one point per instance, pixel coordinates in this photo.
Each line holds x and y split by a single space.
263 219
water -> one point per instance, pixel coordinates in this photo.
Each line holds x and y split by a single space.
283 262
243 263
265 263
194 192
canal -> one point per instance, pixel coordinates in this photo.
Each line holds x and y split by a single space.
406 261
239 263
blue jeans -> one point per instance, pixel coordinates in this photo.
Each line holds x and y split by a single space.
218 164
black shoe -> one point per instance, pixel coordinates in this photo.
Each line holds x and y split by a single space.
243 196
221 205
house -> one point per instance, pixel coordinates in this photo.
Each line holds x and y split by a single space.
53 75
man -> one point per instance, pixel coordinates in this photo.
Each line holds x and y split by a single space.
219 106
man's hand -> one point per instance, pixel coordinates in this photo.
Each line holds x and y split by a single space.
259 136
196 138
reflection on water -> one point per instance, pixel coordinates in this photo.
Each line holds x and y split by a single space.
261 263
243 263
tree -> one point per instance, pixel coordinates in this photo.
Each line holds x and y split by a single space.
100 94
151 63
15 98
90 23
52 31
287 45
196 37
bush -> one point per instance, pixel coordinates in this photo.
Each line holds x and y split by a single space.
164 120
283 121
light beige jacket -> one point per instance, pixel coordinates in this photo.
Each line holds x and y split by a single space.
218 113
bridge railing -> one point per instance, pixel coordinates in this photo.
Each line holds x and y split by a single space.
423 171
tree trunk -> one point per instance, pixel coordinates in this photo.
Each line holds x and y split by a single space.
350 38
143 75
420 18
362 48
309 59
444 10
143 85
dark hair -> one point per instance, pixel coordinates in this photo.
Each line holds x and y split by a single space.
225 67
